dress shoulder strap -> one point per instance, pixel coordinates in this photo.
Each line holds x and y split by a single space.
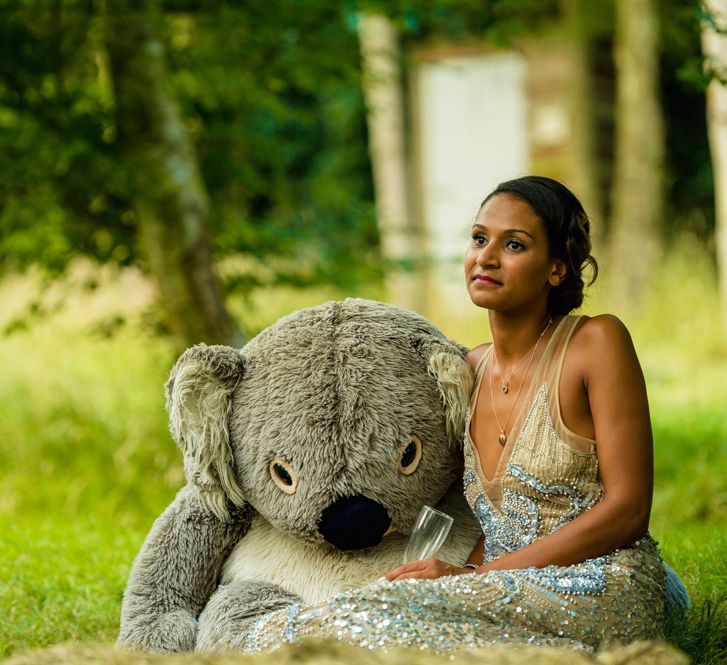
553 362
551 375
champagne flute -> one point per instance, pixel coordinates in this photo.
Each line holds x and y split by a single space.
428 534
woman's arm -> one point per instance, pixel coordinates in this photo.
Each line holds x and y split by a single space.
478 553
614 384
604 358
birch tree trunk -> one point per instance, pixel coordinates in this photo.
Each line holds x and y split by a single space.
583 102
638 196
169 195
382 85
714 48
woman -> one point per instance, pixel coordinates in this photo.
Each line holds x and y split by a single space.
558 463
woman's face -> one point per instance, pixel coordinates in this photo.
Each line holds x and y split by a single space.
508 266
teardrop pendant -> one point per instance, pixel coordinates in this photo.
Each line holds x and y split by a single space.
504 387
502 439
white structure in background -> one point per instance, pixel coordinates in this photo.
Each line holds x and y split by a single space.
473 118
470 132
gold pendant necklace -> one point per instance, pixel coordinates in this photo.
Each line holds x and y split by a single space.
502 438
505 387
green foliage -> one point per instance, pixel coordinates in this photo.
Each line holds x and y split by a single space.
689 177
273 98
270 95
500 22
60 187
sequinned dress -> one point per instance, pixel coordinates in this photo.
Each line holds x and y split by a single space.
546 476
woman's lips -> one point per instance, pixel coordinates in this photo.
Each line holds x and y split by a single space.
486 279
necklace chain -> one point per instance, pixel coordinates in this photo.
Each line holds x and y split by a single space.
505 387
502 438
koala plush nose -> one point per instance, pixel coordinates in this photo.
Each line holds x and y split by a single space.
354 522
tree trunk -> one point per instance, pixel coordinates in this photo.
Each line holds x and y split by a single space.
169 195
638 203
382 86
584 98
714 47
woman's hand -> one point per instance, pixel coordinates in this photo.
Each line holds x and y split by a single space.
426 569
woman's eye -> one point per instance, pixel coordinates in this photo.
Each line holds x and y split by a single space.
478 239
515 245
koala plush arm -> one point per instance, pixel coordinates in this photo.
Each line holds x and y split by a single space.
175 572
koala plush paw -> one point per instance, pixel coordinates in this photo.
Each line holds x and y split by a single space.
231 612
167 633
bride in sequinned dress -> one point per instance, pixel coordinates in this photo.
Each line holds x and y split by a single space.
558 465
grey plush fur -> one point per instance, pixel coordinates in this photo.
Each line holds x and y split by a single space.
349 406
233 608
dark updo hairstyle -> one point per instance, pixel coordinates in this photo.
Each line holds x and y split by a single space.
568 229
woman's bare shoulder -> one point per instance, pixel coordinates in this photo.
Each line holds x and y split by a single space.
474 355
602 339
602 329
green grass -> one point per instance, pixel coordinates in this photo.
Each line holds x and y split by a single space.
86 462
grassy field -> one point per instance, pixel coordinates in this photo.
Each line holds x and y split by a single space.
86 462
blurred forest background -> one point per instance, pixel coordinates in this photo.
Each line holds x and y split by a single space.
190 170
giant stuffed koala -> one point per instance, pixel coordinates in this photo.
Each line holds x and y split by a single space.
308 455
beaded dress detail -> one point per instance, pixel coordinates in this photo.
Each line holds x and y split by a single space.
546 476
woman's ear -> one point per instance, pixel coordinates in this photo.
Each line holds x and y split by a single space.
199 399
557 274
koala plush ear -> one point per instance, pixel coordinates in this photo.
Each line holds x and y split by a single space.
454 380
199 392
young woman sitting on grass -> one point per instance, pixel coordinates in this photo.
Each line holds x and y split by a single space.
558 464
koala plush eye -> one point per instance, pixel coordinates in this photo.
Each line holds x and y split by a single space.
411 455
283 475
